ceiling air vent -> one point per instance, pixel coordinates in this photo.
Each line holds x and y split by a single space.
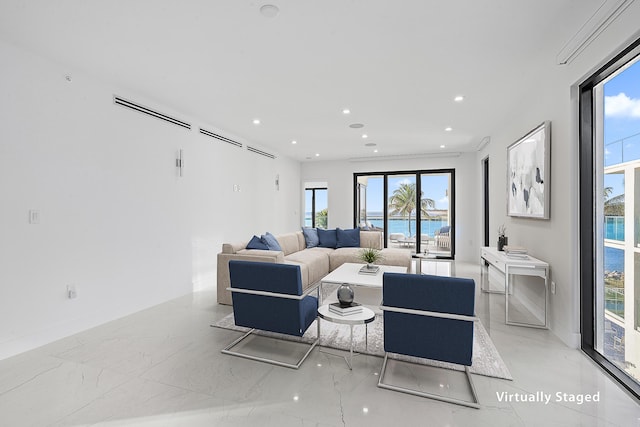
262 153
137 107
220 137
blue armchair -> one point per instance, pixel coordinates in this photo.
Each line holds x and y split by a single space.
269 297
429 317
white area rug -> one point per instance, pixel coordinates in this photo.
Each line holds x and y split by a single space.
486 359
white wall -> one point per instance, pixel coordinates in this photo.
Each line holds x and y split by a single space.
552 96
116 221
339 176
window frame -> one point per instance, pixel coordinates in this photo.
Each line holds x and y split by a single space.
313 202
587 214
418 174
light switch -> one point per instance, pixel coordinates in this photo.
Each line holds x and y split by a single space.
34 216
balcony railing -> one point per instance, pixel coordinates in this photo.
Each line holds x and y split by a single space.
623 150
614 300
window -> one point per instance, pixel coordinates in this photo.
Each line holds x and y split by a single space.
413 209
316 207
610 217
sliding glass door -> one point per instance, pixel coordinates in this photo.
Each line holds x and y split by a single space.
402 210
436 229
412 209
610 217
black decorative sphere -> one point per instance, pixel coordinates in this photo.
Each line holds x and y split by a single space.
345 294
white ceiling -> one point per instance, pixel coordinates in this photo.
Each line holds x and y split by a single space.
397 65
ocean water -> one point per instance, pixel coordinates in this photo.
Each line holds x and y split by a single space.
613 260
402 226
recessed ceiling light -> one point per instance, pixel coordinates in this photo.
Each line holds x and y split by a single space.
442 146
459 98
256 121
346 111
375 151
448 129
317 154
365 136
294 142
269 11
356 125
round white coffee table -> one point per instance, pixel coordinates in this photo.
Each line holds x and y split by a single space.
363 318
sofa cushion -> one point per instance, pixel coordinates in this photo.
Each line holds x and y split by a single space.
371 239
390 256
290 243
317 262
257 243
328 238
271 242
342 255
396 256
310 237
348 238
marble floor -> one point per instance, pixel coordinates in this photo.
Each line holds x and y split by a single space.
163 367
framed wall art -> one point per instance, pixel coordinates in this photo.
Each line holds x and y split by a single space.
528 174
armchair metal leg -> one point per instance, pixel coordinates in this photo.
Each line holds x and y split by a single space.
227 350
474 404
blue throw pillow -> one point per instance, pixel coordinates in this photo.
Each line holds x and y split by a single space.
328 238
310 237
348 238
271 242
257 243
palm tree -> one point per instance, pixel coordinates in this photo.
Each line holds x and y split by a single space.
613 206
322 218
403 201
607 192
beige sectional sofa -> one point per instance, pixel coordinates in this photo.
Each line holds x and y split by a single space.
315 263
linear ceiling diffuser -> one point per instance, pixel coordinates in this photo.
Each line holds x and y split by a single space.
608 11
262 153
220 137
142 109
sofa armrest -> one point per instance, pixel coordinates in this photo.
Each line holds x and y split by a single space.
224 281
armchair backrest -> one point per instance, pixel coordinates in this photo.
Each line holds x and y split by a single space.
274 312
424 335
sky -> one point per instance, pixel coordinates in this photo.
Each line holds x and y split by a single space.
433 187
622 122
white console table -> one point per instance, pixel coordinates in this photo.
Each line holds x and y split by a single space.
502 268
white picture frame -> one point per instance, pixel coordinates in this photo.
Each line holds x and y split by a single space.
529 174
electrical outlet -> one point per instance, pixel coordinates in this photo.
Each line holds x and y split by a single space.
71 291
553 287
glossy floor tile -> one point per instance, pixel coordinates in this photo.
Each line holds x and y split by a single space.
163 367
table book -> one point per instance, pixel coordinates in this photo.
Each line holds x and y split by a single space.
345 309
369 270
